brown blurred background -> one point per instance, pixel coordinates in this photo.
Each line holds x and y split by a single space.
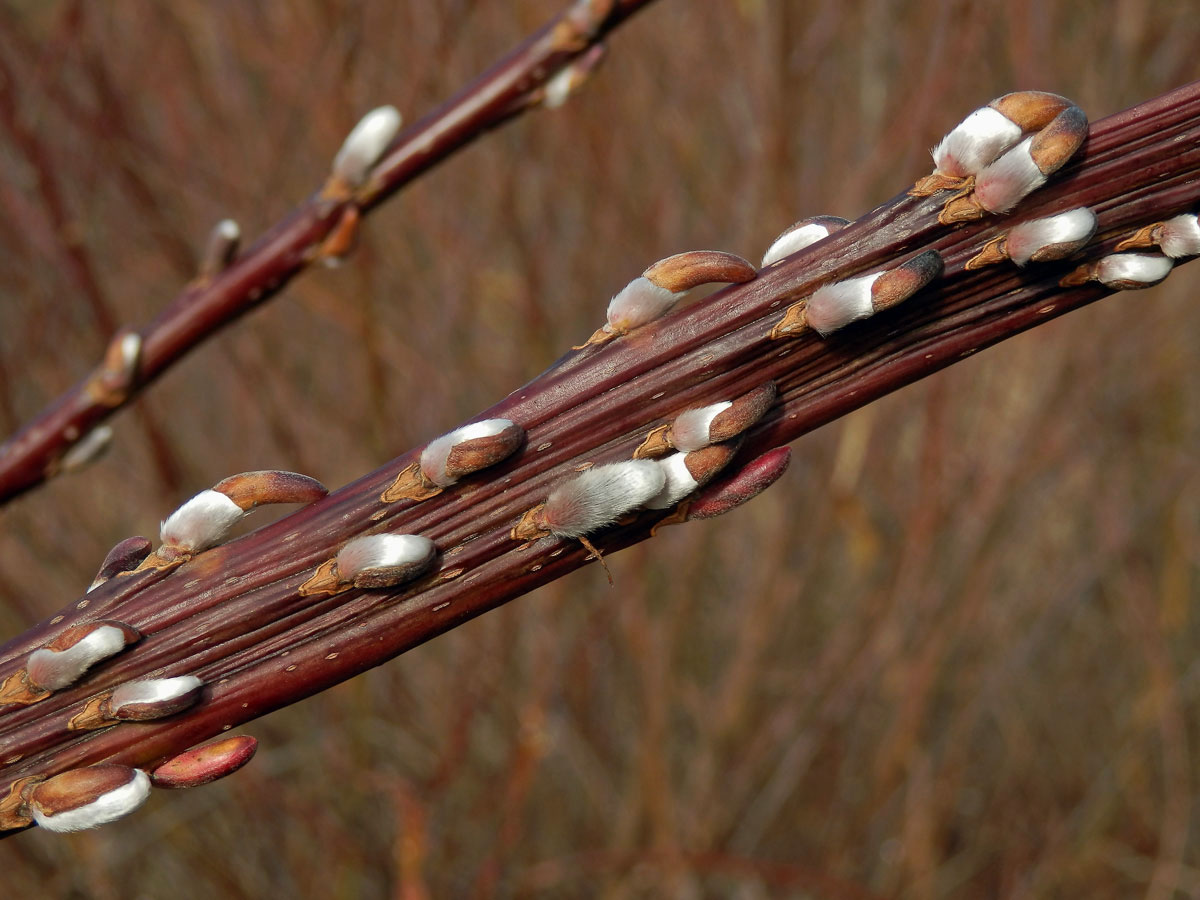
952 654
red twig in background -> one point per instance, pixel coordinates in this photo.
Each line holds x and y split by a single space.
515 84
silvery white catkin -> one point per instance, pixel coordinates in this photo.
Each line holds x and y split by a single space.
975 142
793 241
200 522
690 430
678 482
107 807
1180 236
57 669
639 302
228 230
1075 226
159 692
437 452
833 306
599 496
365 144
383 560
1004 183
1125 269
129 351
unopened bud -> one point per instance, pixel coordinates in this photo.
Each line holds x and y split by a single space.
205 763
384 560
64 660
747 482
803 234
341 240
124 557
469 449
85 798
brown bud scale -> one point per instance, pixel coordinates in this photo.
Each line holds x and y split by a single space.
690 269
251 489
410 484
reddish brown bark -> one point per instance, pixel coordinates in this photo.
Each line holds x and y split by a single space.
234 617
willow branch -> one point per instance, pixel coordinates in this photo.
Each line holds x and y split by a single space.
236 617
517 83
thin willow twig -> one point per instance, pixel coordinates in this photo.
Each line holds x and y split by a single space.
515 84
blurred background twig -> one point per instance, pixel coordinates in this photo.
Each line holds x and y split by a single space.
978 674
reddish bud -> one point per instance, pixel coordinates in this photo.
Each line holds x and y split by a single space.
205 763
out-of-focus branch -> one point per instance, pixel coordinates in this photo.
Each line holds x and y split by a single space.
524 79
244 619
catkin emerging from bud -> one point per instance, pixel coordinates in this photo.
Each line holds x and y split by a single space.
88 797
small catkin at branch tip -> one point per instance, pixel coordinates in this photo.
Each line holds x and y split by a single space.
365 145
221 250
